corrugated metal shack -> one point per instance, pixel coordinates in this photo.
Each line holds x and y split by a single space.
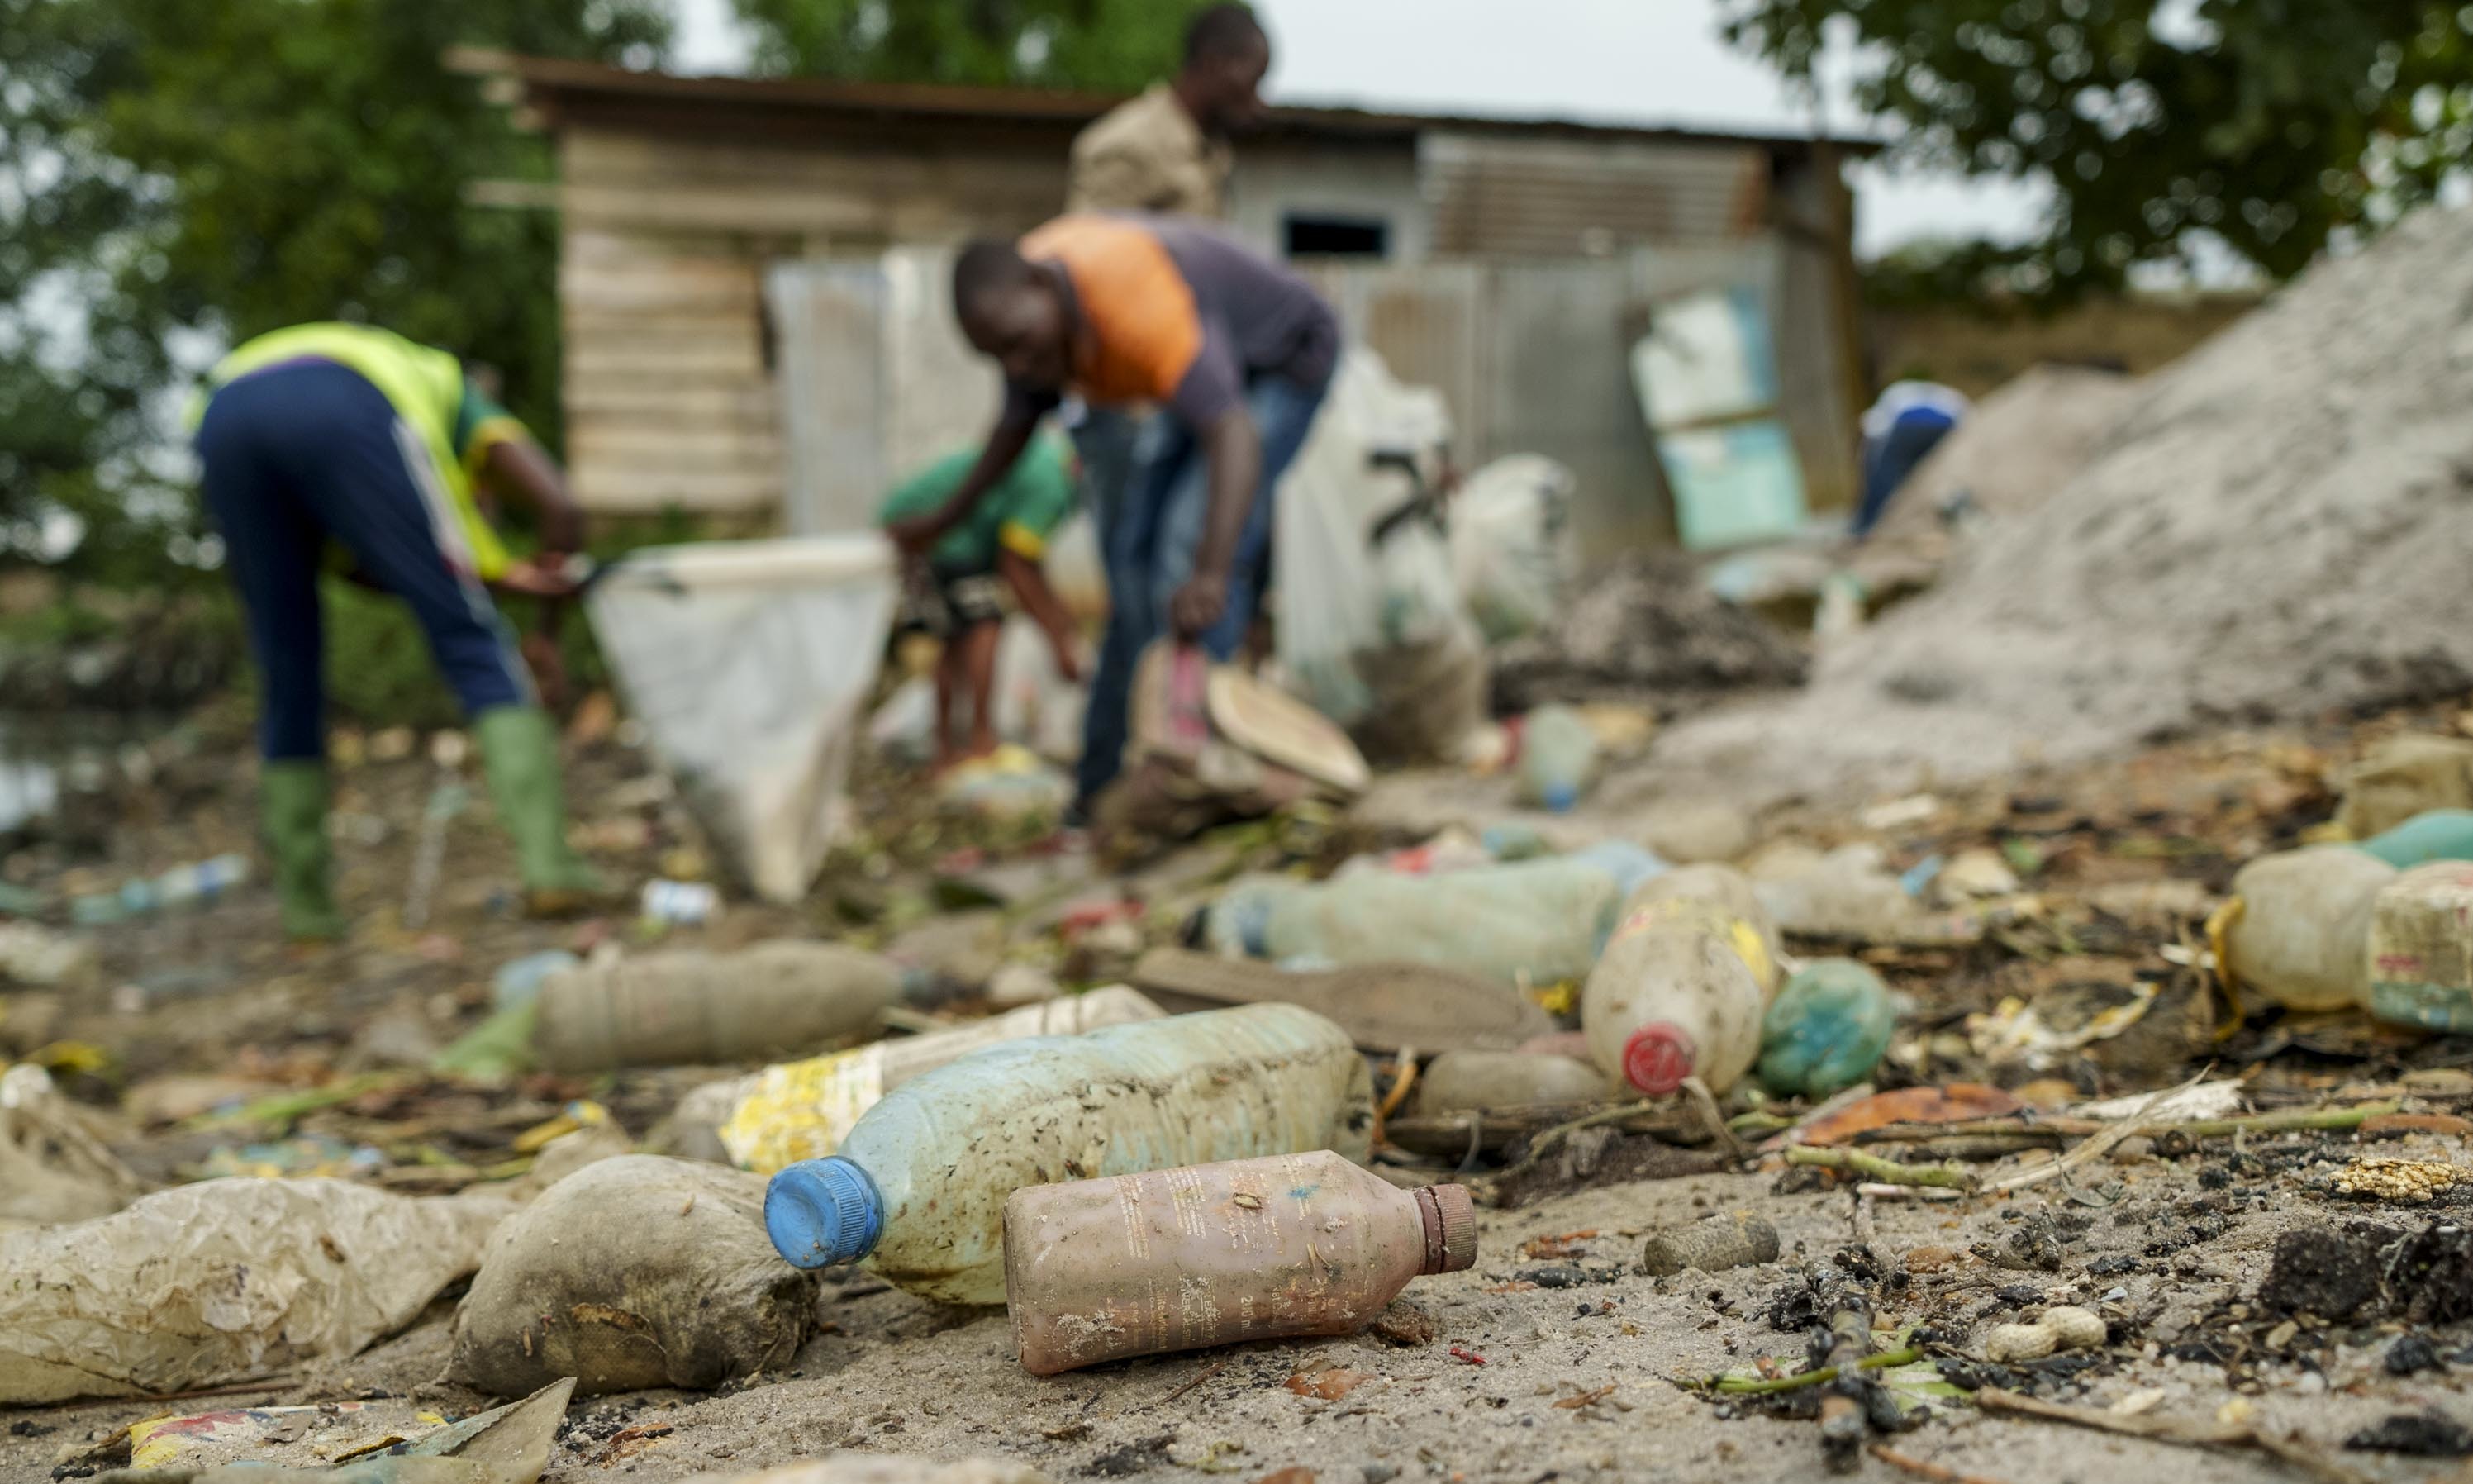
755 321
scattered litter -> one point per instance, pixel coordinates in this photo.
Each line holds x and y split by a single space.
632 1273
680 903
920 1184
2063 1327
1713 1245
52 1166
40 958
1241 1244
1644 625
804 1109
689 1009
1383 1006
1827 1030
2403 776
224 1282
1685 978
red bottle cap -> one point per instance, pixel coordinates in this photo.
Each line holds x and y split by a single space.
1658 1057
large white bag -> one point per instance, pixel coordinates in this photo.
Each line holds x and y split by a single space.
748 663
1513 544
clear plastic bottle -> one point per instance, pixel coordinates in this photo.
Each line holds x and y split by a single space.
691 1008
1558 758
1299 1244
920 1185
1538 922
804 1109
1684 983
2302 934
1827 1029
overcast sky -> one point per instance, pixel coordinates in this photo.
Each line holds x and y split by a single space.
1638 62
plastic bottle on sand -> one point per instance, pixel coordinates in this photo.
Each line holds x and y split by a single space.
1826 1030
1475 1081
804 1109
2420 954
1683 983
1538 921
689 1009
920 1184
1297 1244
2301 934
1558 758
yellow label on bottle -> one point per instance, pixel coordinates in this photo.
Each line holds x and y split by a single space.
804 1109
1704 917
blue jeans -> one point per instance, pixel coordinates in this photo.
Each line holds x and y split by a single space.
297 454
1888 460
1148 549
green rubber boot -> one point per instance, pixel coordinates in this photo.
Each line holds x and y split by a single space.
519 752
292 797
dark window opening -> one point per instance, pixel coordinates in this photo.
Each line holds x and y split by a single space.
1337 236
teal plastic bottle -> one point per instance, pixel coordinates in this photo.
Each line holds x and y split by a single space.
1826 1030
920 1184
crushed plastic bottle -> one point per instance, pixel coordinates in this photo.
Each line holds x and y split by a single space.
1536 921
689 1009
919 1186
1478 1081
1826 1030
1684 983
2301 932
2420 949
1301 1244
1558 758
804 1109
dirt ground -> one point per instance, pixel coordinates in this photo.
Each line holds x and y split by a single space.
1582 1353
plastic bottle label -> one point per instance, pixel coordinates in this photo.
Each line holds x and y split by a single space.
804 1109
2436 1007
1683 912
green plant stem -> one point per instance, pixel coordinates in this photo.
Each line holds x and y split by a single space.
1854 1161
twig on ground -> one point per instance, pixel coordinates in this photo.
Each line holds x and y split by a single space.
1854 1161
2171 1429
1729 1386
1547 1141
1698 1093
1206 1374
1924 1468
2094 1148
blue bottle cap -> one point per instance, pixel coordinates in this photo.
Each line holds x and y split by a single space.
823 1211
1561 796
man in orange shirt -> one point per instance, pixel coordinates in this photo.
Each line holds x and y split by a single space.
1239 353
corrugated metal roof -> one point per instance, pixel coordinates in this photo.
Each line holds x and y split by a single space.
1545 198
559 91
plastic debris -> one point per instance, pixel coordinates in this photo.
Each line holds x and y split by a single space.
632 1273
2420 949
37 957
2301 933
689 1008
1383 1007
1827 1030
1303 1244
224 1282
680 903
804 1109
1684 983
1558 758
921 1183
2061 1329
1713 1245
2404 777
52 1167
1478 1081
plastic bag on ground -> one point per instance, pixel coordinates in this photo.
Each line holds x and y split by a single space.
52 1167
748 663
224 1282
1374 633
632 1273
1513 548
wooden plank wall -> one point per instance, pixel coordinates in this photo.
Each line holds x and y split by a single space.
670 390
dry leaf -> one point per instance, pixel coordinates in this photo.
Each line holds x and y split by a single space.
1331 1384
1957 1103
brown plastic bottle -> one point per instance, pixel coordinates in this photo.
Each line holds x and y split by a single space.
1296 1244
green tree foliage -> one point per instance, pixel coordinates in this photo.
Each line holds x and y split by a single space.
2271 125
175 176
1101 45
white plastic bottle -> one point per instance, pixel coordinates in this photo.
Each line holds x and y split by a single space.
2302 934
920 1185
1683 983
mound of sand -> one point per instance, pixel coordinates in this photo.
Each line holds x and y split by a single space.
2281 524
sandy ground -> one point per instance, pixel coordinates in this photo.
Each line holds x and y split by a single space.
900 1375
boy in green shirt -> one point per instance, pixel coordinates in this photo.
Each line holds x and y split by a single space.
955 589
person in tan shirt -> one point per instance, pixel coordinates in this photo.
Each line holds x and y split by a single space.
1168 150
